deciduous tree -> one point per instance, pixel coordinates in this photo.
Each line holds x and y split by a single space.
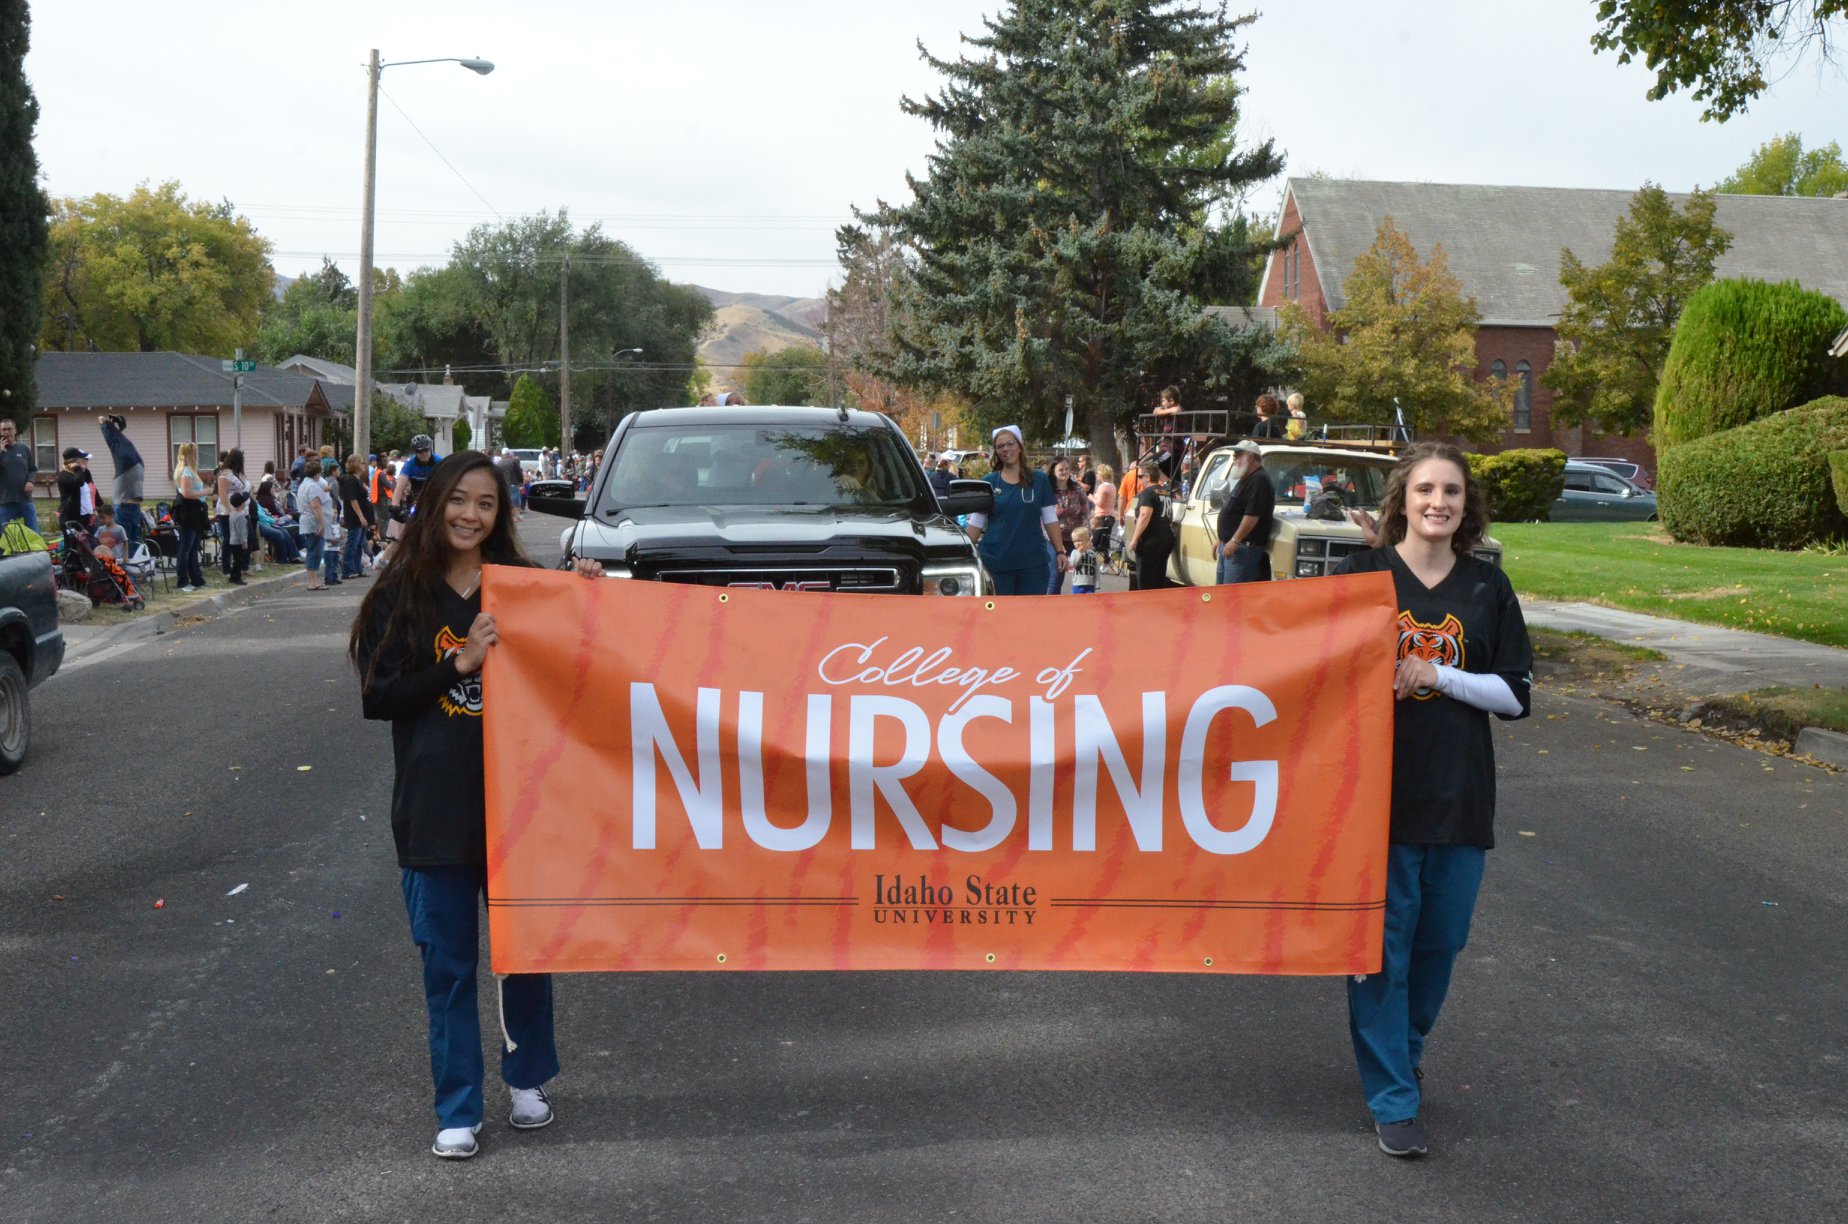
1781 166
154 271
1720 49
794 375
22 219
1620 315
1073 221
532 415
1404 341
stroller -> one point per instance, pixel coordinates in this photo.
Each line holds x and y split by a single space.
101 578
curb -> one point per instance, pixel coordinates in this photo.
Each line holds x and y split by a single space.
164 621
1830 747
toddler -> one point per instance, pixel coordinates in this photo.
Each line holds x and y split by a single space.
1084 563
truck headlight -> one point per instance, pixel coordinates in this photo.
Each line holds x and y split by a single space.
960 578
618 571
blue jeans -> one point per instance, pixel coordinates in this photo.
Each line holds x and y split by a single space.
1430 897
19 510
1246 564
188 570
311 553
349 555
281 543
443 904
134 523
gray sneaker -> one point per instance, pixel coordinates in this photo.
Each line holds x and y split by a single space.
532 1109
1405 1138
456 1142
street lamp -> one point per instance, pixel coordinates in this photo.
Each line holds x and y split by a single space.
362 352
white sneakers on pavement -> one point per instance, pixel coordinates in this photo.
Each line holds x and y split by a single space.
532 1109
456 1142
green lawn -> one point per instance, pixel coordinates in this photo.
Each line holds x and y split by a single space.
1636 566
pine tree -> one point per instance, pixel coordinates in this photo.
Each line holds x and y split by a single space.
22 220
1074 221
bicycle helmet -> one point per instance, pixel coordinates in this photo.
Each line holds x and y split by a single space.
422 442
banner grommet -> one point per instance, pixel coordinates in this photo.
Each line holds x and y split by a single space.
721 958
724 598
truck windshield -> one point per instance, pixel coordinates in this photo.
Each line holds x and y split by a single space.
757 465
1298 477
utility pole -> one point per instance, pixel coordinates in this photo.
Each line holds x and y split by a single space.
362 351
564 356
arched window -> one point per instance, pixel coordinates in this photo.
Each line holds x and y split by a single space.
1524 397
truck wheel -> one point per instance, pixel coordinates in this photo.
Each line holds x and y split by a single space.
15 716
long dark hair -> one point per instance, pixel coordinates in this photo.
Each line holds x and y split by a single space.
1051 465
411 586
1475 522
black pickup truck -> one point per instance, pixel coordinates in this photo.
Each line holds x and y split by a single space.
783 498
31 646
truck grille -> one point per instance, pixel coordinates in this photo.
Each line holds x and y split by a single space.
1317 556
861 579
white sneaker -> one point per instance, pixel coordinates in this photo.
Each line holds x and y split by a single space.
186 590
531 1108
456 1142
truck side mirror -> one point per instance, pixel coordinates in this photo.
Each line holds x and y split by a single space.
968 497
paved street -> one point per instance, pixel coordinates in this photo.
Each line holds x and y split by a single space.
1646 1026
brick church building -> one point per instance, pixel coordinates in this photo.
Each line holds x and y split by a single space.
1503 244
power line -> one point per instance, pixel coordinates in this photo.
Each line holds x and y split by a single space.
717 261
433 148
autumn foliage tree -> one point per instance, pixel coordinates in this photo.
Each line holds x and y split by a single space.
1620 315
153 271
1404 341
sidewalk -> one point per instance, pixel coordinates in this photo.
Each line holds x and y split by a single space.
1711 661
1718 660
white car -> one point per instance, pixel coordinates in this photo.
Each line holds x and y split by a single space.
529 461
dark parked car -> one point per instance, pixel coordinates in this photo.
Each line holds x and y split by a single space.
1595 493
1629 469
31 647
791 499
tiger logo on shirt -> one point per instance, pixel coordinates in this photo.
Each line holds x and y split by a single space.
465 698
1440 643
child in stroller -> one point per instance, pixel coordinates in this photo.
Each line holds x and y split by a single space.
103 579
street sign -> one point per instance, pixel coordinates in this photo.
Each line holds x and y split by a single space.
238 367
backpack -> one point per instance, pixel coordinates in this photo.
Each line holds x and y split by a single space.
16 538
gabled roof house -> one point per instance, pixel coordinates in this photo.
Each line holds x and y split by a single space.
1503 244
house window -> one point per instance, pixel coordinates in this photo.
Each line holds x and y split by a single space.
200 430
1524 398
45 444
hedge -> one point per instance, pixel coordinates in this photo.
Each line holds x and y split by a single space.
1521 485
1838 472
1763 485
1744 350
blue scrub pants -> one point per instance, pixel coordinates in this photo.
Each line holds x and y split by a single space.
444 908
1020 582
1430 896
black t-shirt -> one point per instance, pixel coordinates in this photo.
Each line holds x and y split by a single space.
439 790
1160 532
353 489
1443 753
1255 494
1267 427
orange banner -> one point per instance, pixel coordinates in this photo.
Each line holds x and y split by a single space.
690 777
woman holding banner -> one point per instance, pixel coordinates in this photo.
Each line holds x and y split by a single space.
1463 654
1019 540
419 642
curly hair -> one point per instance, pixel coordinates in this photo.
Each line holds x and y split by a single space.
1475 524
411 586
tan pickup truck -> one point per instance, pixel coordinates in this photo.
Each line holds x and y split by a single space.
1317 483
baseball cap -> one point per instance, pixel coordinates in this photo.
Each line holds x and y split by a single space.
1247 447
71 452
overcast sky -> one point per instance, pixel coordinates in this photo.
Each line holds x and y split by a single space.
724 139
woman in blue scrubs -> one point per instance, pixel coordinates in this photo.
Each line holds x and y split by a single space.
1018 540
